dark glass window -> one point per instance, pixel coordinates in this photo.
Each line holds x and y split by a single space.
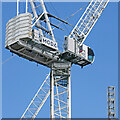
90 54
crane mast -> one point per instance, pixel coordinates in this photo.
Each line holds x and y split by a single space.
27 37
111 102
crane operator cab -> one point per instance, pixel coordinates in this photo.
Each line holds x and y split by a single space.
81 55
90 54
86 52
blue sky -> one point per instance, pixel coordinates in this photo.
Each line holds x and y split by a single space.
21 78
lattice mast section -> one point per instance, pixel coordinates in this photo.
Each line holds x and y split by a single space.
88 20
111 102
60 90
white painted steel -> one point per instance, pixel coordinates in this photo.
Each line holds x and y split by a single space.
36 16
37 19
51 94
61 96
88 20
47 20
38 100
17 7
46 17
69 95
19 26
111 102
26 6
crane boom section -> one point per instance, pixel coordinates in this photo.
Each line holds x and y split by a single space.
88 20
38 100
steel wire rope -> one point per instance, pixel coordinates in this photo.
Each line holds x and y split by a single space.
8 59
55 11
57 14
73 14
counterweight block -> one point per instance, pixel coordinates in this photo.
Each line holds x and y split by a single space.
26 42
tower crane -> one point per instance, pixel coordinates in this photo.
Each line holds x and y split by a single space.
31 36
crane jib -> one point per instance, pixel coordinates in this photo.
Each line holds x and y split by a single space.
88 20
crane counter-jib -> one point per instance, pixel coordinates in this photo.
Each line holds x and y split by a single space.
25 41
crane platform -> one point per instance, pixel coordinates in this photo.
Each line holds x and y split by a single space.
26 42
32 51
76 59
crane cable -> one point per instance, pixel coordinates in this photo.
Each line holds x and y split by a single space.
77 11
8 59
73 14
55 11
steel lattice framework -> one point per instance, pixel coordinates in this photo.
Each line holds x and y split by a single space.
61 90
31 36
111 102
38 100
88 20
